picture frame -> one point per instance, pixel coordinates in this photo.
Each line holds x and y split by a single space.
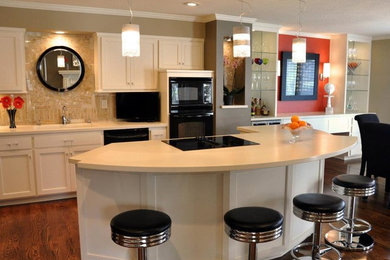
299 81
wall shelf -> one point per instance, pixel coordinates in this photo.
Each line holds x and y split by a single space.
233 106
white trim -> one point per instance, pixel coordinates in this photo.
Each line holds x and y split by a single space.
12 29
381 37
234 106
266 27
95 10
306 34
359 38
224 17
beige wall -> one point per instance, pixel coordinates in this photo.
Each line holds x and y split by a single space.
44 105
40 20
380 80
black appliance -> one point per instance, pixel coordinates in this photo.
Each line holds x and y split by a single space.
208 142
138 106
126 135
190 107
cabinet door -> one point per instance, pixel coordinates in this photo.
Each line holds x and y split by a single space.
192 54
52 170
114 71
16 174
144 68
72 168
12 62
169 54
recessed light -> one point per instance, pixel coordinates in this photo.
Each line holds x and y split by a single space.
191 4
59 32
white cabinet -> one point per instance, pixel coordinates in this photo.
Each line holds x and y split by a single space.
16 168
178 53
12 62
53 171
115 73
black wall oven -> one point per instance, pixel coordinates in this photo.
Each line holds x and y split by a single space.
190 107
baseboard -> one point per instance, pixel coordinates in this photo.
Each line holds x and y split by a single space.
38 199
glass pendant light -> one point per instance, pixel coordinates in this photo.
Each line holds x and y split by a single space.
299 44
130 38
241 38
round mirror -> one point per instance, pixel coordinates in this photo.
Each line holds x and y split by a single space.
60 68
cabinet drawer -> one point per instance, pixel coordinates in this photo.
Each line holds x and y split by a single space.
339 125
15 143
69 139
157 133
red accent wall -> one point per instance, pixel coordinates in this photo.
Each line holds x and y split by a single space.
313 45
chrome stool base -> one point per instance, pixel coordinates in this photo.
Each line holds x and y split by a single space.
304 251
345 225
349 242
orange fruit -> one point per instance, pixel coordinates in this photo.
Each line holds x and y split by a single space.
302 123
293 125
295 118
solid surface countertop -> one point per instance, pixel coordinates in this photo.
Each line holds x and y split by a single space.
273 150
99 125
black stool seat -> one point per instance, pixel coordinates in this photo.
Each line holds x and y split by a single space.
253 219
319 203
353 181
140 222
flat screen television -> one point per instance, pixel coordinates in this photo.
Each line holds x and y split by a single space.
138 106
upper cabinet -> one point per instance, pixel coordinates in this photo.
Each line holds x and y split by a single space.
115 73
350 58
181 53
12 62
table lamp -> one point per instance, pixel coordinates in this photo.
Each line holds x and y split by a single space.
329 89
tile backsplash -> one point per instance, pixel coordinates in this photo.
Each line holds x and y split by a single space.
43 105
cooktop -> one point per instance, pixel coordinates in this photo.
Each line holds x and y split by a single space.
208 142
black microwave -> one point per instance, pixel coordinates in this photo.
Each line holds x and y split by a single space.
190 94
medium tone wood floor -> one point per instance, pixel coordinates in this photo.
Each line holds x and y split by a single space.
49 230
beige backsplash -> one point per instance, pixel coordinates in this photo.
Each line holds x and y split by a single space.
43 105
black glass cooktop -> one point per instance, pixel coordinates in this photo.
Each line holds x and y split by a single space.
208 142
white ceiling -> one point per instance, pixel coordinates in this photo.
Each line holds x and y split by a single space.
365 17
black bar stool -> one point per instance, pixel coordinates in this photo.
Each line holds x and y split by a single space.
351 233
317 208
140 229
253 225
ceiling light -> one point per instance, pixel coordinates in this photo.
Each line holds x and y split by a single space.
130 38
299 44
191 4
59 32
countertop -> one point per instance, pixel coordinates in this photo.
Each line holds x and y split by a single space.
53 128
273 150
305 114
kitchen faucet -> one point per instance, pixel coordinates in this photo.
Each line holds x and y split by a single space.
63 117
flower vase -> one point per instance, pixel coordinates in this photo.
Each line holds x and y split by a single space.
11 114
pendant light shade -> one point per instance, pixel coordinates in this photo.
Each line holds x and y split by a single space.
130 40
299 50
241 41
61 61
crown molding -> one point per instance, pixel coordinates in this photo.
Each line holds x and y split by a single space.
306 34
359 38
95 10
381 37
267 27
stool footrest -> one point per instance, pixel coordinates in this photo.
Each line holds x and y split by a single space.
349 242
358 226
304 251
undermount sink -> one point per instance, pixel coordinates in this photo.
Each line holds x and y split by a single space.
59 126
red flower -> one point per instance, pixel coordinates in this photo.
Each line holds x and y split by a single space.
6 101
18 102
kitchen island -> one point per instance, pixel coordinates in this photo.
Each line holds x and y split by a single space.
197 187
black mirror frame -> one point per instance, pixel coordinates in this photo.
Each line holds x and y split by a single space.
74 53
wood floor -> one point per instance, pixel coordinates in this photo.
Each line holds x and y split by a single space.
49 230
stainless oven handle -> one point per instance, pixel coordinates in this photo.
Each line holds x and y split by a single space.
192 116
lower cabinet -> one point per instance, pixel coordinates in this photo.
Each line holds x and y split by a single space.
17 178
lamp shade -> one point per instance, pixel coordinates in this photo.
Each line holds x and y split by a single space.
61 61
299 50
241 41
130 40
326 70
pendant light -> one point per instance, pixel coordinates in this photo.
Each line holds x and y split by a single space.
299 44
241 39
61 60
130 38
